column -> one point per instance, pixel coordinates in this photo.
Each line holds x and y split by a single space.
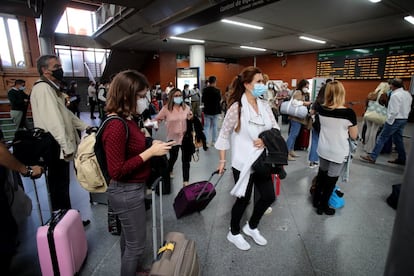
197 59
47 45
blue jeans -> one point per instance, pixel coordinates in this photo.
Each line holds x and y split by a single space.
396 131
293 134
210 126
313 155
127 200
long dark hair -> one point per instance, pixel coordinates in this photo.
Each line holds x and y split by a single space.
170 102
302 84
237 88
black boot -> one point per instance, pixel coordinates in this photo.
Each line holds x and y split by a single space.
328 188
318 189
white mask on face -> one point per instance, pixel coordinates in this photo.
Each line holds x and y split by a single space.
305 90
142 104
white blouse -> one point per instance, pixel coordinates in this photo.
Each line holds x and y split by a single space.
251 125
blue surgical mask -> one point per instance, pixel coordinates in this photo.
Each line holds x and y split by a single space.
259 89
178 100
22 88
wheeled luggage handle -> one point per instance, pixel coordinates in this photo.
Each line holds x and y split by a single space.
157 182
42 222
208 181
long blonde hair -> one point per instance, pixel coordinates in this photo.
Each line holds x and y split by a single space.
383 87
334 94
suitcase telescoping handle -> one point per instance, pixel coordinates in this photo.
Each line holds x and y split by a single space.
39 209
208 181
157 182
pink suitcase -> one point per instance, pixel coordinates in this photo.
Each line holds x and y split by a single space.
61 244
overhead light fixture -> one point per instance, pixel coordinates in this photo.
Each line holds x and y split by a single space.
242 24
187 39
253 48
374 1
312 39
362 51
409 19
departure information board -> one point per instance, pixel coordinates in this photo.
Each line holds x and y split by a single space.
368 63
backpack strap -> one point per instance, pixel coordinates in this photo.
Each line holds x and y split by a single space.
106 121
99 151
43 79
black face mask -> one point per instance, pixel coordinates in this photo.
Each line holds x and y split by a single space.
58 74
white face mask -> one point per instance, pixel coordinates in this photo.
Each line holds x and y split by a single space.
305 90
142 104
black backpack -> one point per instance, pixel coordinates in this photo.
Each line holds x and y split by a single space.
35 147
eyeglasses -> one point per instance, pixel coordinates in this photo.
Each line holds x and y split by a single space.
257 120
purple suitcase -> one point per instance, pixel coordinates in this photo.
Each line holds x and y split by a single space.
61 244
195 197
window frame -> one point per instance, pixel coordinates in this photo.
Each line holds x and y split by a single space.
3 20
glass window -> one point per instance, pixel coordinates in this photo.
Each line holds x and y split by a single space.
66 61
62 27
81 62
16 41
4 47
90 57
78 67
78 22
11 46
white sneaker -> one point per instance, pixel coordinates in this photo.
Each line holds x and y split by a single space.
254 234
268 211
238 241
313 165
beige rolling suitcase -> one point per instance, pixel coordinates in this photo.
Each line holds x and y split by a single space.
177 256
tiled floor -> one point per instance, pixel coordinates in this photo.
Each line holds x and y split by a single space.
353 242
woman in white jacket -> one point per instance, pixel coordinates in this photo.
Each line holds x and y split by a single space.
247 117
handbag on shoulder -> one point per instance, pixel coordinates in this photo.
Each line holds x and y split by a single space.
376 112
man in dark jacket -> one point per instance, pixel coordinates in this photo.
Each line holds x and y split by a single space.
211 98
19 101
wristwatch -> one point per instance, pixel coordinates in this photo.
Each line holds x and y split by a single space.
29 172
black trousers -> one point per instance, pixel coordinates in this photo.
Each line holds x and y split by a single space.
58 181
185 160
92 105
264 186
